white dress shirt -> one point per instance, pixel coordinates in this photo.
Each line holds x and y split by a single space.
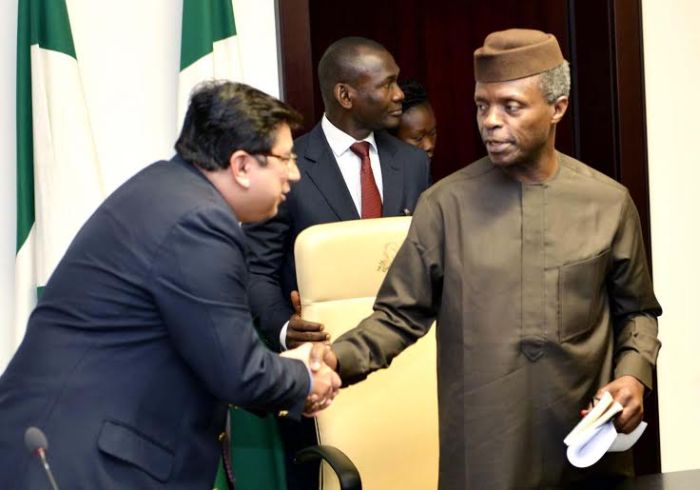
349 163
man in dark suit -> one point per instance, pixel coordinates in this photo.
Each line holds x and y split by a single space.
143 332
358 80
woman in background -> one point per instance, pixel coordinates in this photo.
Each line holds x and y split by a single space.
417 126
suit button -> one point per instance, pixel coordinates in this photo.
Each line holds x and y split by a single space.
222 437
283 413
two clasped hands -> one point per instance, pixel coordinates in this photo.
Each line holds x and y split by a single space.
310 344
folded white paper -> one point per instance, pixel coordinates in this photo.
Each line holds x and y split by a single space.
595 434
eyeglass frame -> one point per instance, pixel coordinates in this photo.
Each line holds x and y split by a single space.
287 160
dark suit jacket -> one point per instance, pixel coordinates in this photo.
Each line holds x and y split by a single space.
142 334
321 196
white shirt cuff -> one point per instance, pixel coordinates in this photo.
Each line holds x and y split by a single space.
283 336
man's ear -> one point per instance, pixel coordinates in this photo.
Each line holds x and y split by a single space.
343 94
240 165
560 105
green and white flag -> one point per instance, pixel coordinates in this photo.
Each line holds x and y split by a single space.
58 174
209 47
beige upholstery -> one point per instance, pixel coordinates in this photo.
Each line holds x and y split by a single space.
387 424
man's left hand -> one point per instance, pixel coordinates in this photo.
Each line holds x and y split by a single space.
628 391
300 330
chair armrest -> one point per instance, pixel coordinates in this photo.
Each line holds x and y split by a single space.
347 473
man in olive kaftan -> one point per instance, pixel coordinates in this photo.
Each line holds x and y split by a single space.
533 265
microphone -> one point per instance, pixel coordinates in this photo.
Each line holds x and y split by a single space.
36 443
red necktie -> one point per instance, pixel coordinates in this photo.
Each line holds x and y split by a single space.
371 200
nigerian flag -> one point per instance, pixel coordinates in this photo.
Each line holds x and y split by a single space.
209 50
209 47
58 174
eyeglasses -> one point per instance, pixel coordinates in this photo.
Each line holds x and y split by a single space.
286 159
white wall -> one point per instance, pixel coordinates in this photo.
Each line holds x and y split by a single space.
128 52
8 155
672 66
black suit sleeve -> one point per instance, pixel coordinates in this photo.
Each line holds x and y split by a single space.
199 285
269 243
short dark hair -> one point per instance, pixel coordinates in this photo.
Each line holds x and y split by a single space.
414 94
225 116
339 63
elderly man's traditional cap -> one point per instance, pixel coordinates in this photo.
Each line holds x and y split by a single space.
515 53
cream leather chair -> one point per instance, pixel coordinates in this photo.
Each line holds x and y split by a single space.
388 424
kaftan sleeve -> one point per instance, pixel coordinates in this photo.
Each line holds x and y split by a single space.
633 304
407 302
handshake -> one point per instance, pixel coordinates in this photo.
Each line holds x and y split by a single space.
309 343
321 363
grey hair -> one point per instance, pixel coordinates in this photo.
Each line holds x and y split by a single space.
556 82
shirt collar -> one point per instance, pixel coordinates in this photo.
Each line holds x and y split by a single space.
339 140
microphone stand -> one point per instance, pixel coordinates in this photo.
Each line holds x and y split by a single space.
42 455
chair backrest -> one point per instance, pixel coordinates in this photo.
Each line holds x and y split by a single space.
387 424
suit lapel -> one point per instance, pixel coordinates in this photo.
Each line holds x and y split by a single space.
392 175
323 171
